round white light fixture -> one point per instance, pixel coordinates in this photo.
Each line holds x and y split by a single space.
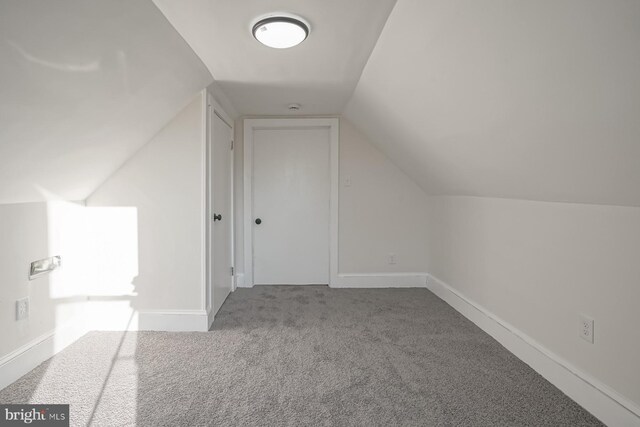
280 32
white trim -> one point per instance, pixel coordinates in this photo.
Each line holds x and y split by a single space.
173 320
204 202
222 115
603 402
240 281
334 136
334 204
247 206
210 318
119 316
25 358
380 280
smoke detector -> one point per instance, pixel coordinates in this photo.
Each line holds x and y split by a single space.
294 107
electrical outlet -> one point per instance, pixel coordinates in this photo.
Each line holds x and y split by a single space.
585 330
392 259
22 309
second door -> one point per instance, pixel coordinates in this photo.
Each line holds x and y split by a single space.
291 193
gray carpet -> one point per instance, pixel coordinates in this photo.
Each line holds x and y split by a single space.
295 356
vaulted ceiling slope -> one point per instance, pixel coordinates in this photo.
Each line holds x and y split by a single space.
321 73
83 85
517 99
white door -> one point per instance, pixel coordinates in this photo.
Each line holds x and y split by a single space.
220 185
291 194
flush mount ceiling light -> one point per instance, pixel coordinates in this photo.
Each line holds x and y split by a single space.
280 31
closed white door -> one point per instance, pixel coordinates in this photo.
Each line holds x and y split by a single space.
291 193
221 210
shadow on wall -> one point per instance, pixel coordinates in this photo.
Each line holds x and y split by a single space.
100 252
94 289
111 238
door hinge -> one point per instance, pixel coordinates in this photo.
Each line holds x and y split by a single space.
232 271
232 144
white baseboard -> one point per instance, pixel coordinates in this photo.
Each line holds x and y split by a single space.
105 315
25 358
240 281
120 316
102 317
210 318
174 321
366 280
604 403
380 280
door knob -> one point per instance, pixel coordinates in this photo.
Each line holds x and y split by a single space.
258 221
217 217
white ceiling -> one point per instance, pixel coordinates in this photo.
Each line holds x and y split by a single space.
320 73
500 98
83 85
503 98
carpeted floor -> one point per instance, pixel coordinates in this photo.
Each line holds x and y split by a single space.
285 355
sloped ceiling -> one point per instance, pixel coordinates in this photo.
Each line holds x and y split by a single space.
321 73
509 98
83 85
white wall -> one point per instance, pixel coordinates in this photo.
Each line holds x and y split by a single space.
131 254
381 212
537 265
163 183
29 232
84 86
516 99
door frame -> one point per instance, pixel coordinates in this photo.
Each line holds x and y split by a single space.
211 109
251 125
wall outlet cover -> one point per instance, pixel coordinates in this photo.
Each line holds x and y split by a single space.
22 309
585 328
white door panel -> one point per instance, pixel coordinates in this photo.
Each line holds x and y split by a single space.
221 186
291 193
